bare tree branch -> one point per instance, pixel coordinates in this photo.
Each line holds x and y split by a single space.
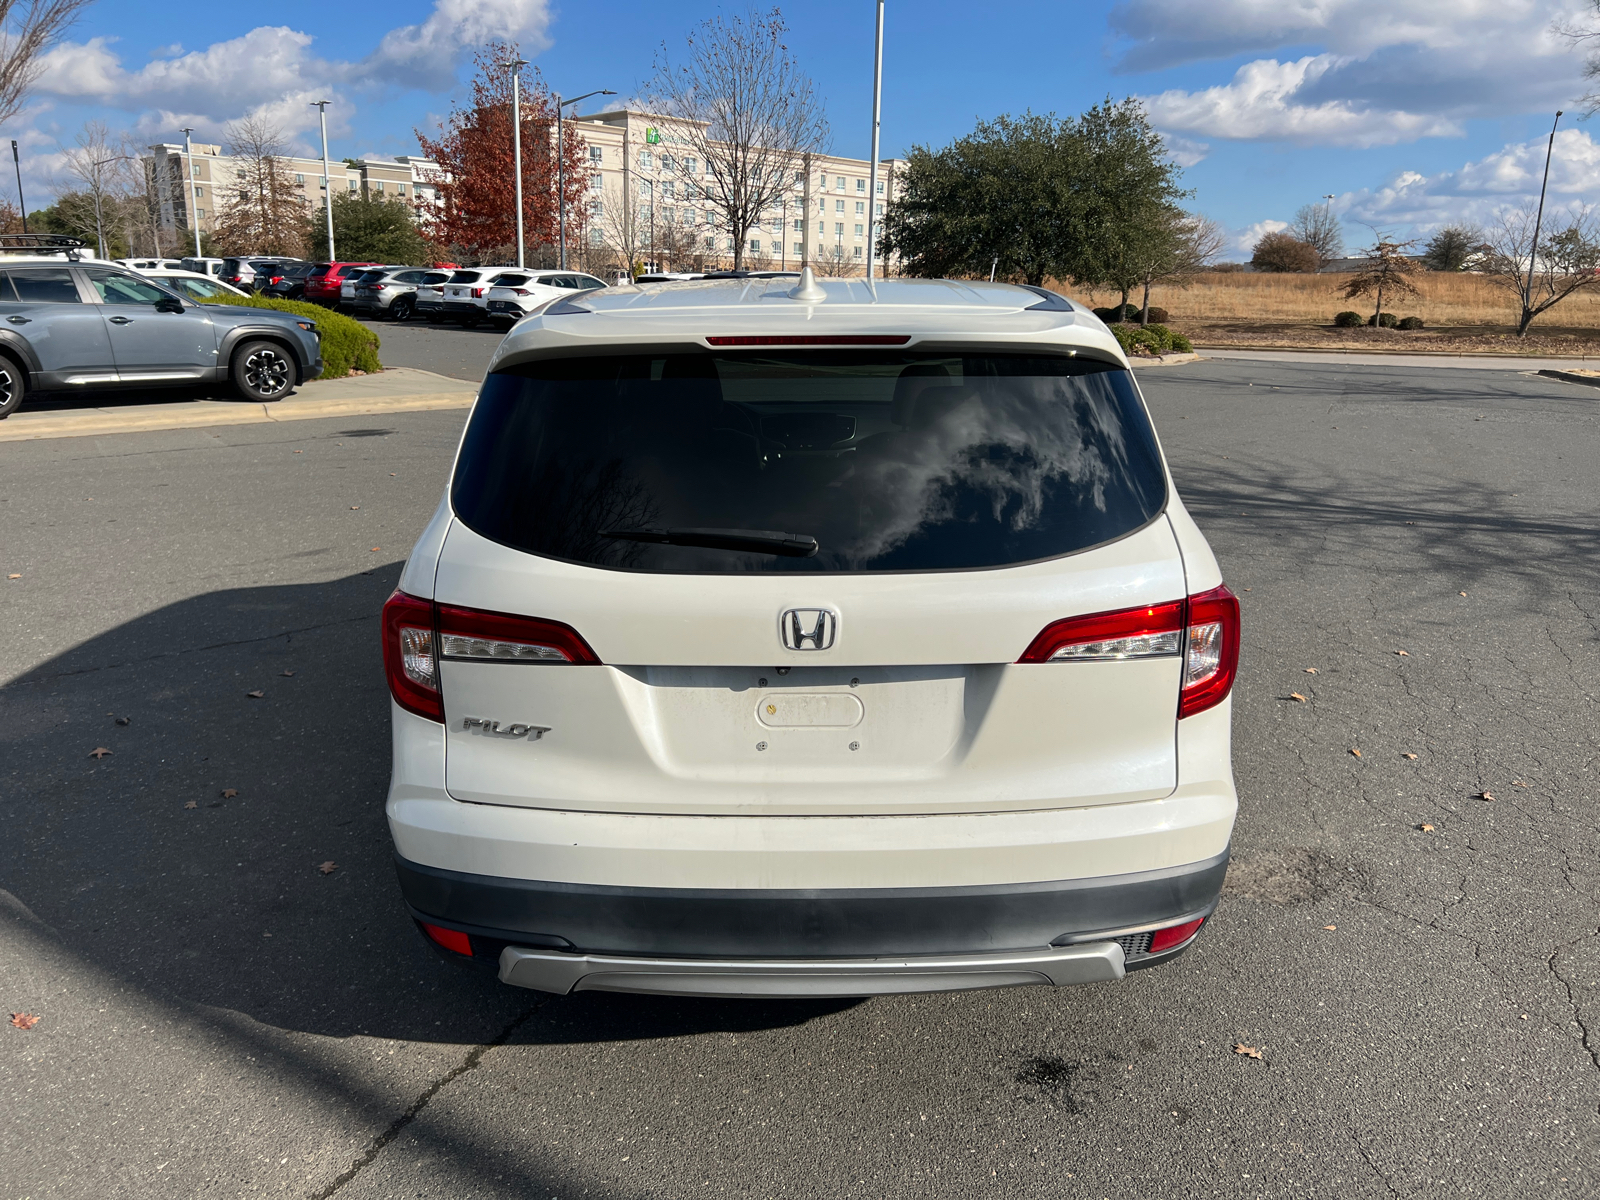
29 28
746 116
1567 259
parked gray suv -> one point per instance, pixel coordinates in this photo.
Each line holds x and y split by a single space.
69 326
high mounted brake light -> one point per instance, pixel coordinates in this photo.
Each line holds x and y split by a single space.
814 339
417 634
1204 629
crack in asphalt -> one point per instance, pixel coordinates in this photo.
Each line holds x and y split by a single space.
1577 1014
398 1125
1376 1170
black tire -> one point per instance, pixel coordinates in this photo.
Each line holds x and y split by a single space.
471 320
263 371
13 384
400 310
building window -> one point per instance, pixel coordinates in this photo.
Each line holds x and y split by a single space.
711 242
857 253
379 185
667 188
839 182
355 185
860 229
594 154
799 249
597 208
644 189
690 166
822 205
199 212
799 226
755 245
861 185
861 208
877 209
838 229
730 245
596 183
822 227
880 187
595 238
300 180
646 159
199 192
838 206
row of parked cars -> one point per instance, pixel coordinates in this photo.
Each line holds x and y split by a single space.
467 295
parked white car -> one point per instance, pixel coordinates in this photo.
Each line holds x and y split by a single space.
465 297
203 266
192 283
515 295
143 265
793 639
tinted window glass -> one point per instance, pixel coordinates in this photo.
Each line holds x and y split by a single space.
48 285
433 277
510 280
589 281
464 277
890 461
124 289
199 288
8 294
318 271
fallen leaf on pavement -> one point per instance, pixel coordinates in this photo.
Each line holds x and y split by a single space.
1297 697
1354 751
255 695
99 752
1425 828
374 550
1482 796
355 507
1523 1017
24 1020
1518 783
1331 928
192 804
1461 593
288 674
1241 1048
124 720
329 867
1407 754
13 576
229 793
1403 653
1311 670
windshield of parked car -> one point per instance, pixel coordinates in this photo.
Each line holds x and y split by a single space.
200 289
889 461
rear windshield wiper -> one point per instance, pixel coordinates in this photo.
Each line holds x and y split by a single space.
768 541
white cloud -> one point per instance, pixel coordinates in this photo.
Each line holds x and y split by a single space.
1264 101
1242 241
1479 190
1186 152
1379 74
432 50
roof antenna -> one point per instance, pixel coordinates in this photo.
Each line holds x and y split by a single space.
808 289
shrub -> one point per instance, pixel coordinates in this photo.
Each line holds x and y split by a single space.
1387 320
1150 340
1116 313
1283 253
1409 323
1158 316
1348 320
347 344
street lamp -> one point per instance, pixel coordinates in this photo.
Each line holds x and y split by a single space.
16 161
1533 250
188 188
99 223
515 65
327 173
877 108
561 177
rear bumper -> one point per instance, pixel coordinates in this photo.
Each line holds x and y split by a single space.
461 308
808 924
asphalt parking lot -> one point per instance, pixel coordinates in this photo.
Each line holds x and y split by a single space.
1409 943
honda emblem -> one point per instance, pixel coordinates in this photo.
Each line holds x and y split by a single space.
808 628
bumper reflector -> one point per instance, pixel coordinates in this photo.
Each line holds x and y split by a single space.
451 939
1161 939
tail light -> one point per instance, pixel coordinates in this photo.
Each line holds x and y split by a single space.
418 633
1172 935
1204 630
451 939
521 291
477 293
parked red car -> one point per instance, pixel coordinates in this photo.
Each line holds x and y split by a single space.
322 285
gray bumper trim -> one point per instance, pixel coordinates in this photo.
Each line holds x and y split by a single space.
553 971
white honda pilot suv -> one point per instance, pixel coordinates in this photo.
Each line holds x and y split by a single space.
825 639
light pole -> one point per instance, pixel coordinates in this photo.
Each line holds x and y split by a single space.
327 171
877 107
16 161
561 174
188 188
1533 251
515 65
99 186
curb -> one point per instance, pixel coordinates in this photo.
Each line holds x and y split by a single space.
1570 377
1164 360
200 414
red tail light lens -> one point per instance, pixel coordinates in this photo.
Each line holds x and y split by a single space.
477 293
1211 650
522 291
1204 629
468 633
451 939
1166 939
410 657
1152 631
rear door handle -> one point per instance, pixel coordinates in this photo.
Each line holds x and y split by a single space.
120 320
19 320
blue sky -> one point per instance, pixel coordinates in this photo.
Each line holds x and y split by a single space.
1412 113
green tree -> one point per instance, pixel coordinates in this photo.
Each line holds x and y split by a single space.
1037 196
372 229
1452 248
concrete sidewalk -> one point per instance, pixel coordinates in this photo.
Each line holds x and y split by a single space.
398 389
1474 362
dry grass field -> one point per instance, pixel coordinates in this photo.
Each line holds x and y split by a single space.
1463 313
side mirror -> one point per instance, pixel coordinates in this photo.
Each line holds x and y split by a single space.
169 304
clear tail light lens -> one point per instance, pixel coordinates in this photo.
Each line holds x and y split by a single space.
410 660
1204 629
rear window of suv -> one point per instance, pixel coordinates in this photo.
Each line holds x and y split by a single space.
833 461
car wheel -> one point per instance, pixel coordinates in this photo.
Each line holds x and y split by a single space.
400 310
263 371
13 383
471 320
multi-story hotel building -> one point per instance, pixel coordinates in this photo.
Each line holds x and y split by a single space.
646 198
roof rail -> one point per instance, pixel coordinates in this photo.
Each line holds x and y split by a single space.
47 243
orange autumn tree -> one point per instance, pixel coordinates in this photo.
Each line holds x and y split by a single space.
476 183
